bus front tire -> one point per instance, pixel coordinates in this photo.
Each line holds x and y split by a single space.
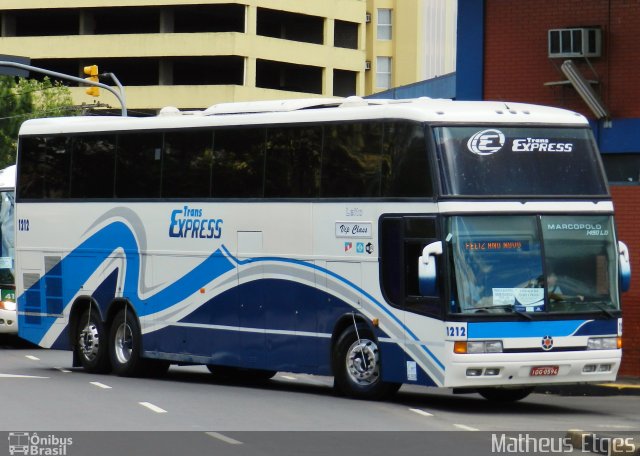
505 394
91 343
356 366
124 345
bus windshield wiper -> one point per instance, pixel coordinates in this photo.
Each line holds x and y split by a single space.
508 307
603 309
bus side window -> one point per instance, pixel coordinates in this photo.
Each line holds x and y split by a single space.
420 232
405 153
402 240
138 165
45 163
93 166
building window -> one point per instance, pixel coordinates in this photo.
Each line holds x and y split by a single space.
384 24
383 72
345 34
622 168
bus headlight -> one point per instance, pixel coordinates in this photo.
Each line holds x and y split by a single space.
478 346
602 343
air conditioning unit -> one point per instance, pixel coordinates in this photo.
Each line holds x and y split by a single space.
367 65
367 18
575 42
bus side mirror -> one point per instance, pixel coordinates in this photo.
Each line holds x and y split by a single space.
625 266
427 274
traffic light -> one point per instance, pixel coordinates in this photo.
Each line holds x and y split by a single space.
92 72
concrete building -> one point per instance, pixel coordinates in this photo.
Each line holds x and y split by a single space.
408 41
192 54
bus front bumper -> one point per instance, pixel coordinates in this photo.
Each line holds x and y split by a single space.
516 369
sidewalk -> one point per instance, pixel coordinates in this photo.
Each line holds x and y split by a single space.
608 443
625 386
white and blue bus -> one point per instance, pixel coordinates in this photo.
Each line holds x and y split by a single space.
468 245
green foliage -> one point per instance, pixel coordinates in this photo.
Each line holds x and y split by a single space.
24 99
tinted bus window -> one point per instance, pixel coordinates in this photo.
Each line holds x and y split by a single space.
368 159
351 160
238 163
93 166
138 165
405 165
45 167
186 166
292 167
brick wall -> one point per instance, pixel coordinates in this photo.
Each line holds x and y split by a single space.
626 200
516 62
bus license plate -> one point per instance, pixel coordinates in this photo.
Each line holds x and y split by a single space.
540 371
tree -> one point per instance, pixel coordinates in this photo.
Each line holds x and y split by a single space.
24 99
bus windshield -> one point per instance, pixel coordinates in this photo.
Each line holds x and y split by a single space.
530 263
518 161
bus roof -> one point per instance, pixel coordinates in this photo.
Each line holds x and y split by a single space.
314 110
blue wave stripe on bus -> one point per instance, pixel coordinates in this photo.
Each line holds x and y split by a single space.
598 328
560 328
346 282
83 261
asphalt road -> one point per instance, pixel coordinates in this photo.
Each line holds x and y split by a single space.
40 392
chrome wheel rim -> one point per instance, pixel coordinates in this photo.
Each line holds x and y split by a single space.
123 343
89 341
363 362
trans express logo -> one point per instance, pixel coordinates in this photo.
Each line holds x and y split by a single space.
189 222
547 343
486 142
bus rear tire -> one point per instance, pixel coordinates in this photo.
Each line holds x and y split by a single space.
125 345
505 394
91 346
356 366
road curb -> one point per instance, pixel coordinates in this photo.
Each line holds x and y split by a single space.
610 444
601 389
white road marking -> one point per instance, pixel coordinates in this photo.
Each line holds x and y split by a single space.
153 408
19 376
288 377
32 358
100 385
464 427
420 412
224 438
63 370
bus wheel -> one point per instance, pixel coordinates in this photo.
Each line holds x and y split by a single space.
356 366
124 345
505 394
91 343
